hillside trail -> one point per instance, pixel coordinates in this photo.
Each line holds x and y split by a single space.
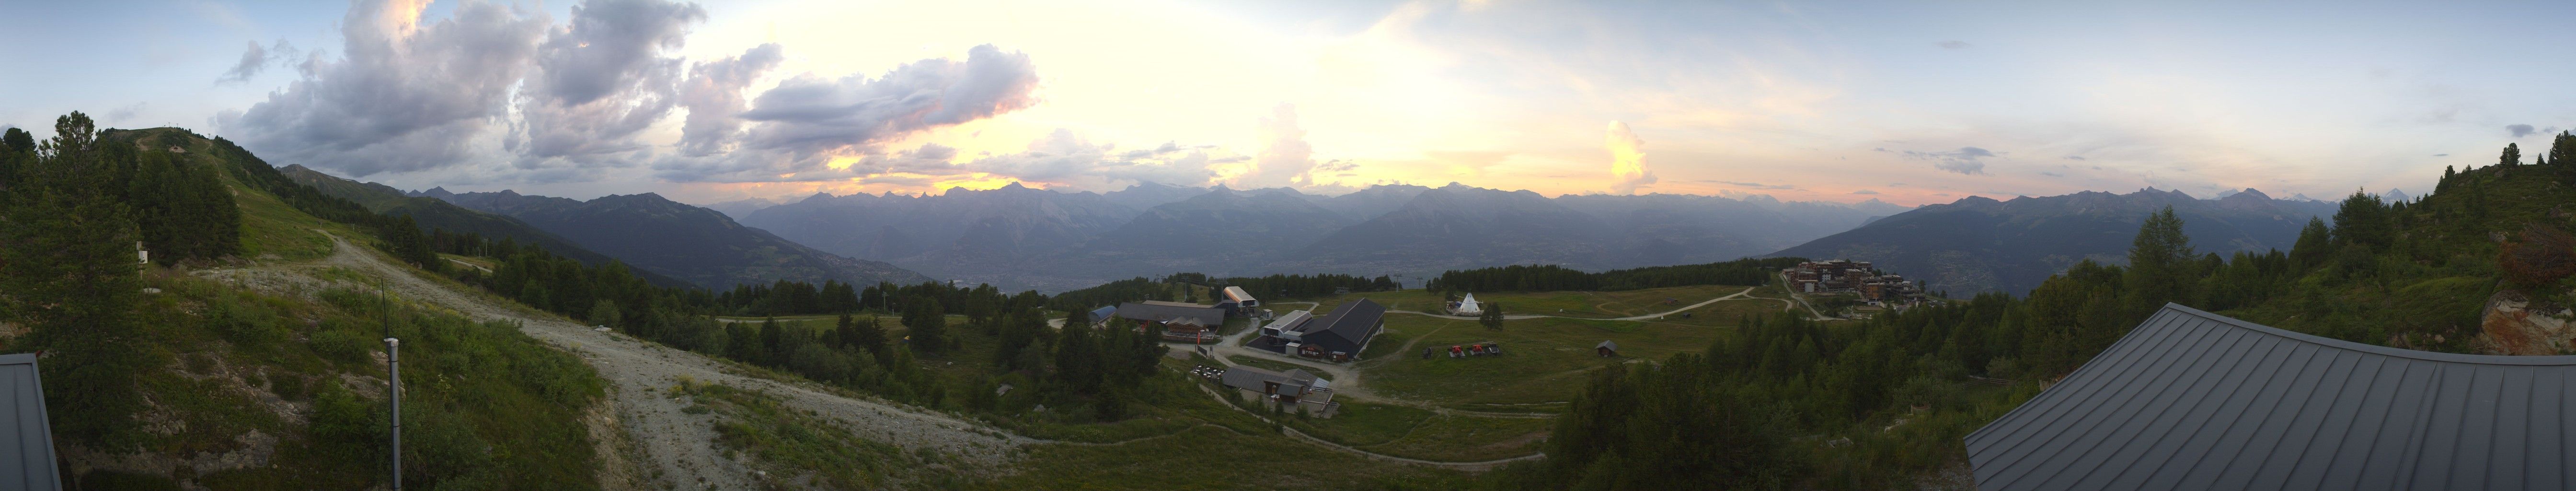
679 448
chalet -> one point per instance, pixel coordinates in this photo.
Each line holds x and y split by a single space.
1606 349
1237 302
1855 277
1289 391
1184 322
1339 336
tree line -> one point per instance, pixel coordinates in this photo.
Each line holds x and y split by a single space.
1526 278
1277 286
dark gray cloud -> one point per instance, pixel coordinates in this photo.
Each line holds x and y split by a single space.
2074 157
713 95
600 79
403 97
257 59
809 115
1952 44
2519 130
1965 160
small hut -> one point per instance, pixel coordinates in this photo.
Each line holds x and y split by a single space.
1468 306
1606 349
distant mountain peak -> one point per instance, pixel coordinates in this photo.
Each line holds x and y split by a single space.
1014 185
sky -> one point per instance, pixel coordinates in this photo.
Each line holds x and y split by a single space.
1908 103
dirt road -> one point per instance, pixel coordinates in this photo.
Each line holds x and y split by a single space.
677 447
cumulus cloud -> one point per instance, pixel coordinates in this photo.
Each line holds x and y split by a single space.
810 114
797 127
403 97
1627 160
1285 158
1965 160
257 59
600 79
2519 130
713 95
1952 44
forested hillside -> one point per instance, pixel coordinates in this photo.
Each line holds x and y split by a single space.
169 380
1884 402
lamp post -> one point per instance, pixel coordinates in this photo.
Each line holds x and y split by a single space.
393 389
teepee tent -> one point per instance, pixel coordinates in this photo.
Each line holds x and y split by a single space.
1468 306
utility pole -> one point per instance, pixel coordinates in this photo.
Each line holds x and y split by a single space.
393 358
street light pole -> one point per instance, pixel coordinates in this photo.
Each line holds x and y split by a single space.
393 359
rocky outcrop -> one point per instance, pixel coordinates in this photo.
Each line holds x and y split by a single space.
2513 324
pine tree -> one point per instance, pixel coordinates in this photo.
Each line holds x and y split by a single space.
2314 240
2512 156
1492 317
773 345
66 248
929 325
2159 260
2363 219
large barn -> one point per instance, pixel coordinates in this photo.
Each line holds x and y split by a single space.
1338 336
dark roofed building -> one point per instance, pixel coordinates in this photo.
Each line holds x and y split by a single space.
1292 390
1186 322
1339 336
1171 313
2194 400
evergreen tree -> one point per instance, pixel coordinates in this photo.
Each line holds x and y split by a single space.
2314 240
773 345
1077 358
928 324
2160 269
1492 317
2363 219
17 140
66 248
2512 156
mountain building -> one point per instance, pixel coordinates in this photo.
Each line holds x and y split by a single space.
1339 336
1290 391
1238 302
2194 400
1184 322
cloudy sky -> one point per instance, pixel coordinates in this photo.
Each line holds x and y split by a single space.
1905 103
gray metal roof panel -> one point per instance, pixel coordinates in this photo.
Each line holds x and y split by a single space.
26 440
2193 400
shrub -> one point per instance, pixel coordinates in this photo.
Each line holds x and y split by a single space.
343 344
2543 256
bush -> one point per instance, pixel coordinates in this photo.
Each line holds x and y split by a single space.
2544 256
343 344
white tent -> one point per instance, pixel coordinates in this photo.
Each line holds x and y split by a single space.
1468 306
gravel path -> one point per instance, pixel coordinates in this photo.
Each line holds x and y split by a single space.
679 448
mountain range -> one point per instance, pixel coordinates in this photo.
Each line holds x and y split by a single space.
1020 237
1980 244
691 243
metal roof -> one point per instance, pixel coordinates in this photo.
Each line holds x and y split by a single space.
1347 329
26 442
2194 400
1172 313
1237 294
